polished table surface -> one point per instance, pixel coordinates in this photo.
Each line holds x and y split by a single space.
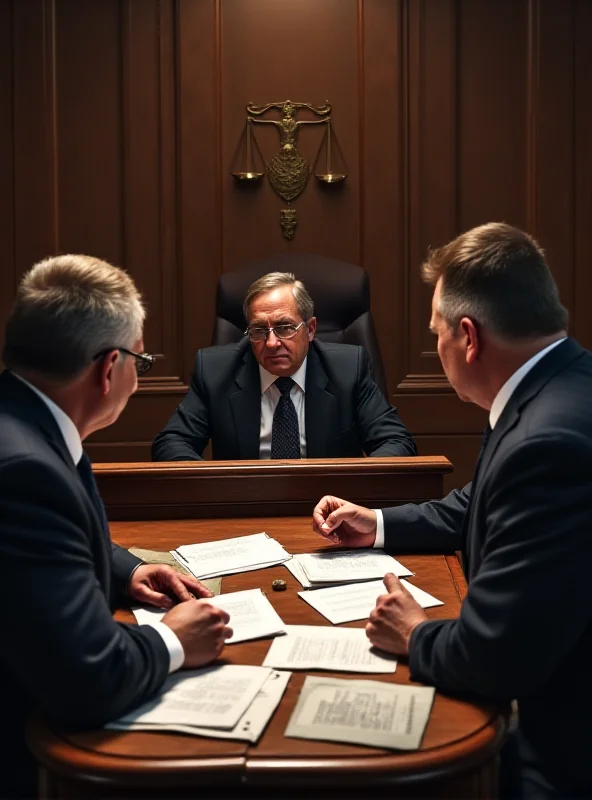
456 757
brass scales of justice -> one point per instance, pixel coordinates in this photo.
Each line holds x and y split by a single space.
288 171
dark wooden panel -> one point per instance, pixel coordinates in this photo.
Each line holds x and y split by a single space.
580 309
383 176
199 171
306 52
251 488
35 180
7 216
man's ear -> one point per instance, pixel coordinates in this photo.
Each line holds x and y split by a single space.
105 371
312 327
473 339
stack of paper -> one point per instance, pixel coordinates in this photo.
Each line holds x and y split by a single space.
347 603
320 647
251 615
241 554
350 566
362 712
225 702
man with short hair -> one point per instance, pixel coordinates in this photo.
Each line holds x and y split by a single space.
524 525
73 349
280 393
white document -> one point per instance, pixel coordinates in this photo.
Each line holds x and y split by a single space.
213 697
321 647
249 727
362 712
251 615
349 566
226 556
353 601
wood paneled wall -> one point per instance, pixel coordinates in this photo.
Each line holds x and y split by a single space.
120 120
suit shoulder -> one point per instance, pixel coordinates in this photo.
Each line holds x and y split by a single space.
221 353
337 350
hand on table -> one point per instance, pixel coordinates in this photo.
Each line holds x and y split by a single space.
344 523
394 618
201 628
162 586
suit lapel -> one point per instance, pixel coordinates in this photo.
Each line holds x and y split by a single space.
245 404
318 407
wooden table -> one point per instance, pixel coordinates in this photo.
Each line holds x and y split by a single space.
457 757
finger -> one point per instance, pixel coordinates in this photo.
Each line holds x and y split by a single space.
227 633
152 598
391 582
224 616
371 631
195 587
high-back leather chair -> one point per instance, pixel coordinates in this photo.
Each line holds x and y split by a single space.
340 292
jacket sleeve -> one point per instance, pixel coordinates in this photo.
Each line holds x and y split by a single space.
187 432
435 525
528 604
380 428
69 654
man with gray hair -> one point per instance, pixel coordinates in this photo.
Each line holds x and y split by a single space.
280 393
73 351
524 525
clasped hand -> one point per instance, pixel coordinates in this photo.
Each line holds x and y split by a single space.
201 628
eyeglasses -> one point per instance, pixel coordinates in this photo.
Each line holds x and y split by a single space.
281 331
143 360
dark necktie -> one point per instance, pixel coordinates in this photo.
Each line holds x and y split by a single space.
88 481
285 435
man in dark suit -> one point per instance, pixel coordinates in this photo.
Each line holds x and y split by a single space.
73 348
525 523
280 394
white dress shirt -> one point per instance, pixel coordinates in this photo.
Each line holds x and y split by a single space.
74 444
499 403
270 397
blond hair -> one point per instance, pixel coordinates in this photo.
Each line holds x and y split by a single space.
68 309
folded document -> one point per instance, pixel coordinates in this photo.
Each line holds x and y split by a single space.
349 566
226 556
249 727
362 712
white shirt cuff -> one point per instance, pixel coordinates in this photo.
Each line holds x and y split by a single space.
379 541
173 645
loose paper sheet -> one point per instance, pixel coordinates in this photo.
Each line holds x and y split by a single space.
322 647
249 727
349 566
213 697
251 615
362 712
356 600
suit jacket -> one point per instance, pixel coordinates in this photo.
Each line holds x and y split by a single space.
345 411
525 526
61 649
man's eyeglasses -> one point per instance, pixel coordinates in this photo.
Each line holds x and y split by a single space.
143 360
281 331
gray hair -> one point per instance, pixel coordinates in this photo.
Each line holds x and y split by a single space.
498 276
273 280
67 310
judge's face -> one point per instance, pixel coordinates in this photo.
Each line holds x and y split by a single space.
281 357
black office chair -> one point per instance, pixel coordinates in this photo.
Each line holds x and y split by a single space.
341 295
